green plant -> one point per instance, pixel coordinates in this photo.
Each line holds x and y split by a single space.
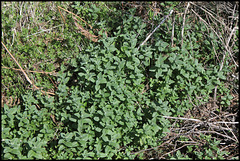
209 150
101 103
27 41
110 96
26 132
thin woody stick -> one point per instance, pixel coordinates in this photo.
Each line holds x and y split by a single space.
74 15
20 67
181 118
184 21
61 15
197 120
26 76
51 73
155 29
85 32
173 31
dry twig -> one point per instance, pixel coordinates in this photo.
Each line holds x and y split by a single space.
155 29
184 21
72 14
50 73
87 34
24 73
26 76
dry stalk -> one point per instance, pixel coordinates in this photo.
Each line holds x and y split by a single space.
155 29
226 45
205 10
166 142
24 73
181 118
220 37
50 73
205 122
72 14
214 132
176 150
172 42
87 34
26 76
184 21
84 32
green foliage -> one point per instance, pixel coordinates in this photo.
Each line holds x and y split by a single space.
26 131
97 15
208 150
179 77
101 104
28 43
110 97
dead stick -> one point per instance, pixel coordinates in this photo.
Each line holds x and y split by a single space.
20 67
61 15
75 15
155 29
51 73
184 22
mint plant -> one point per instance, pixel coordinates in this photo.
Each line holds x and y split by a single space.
111 95
101 104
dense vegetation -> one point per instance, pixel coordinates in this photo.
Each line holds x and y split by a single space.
77 82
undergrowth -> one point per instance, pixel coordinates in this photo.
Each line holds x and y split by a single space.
114 99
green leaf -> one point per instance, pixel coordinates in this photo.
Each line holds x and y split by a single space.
162 45
159 61
101 79
31 154
129 65
176 48
96 118
112 48
12 111
70 144
136 60
159 73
